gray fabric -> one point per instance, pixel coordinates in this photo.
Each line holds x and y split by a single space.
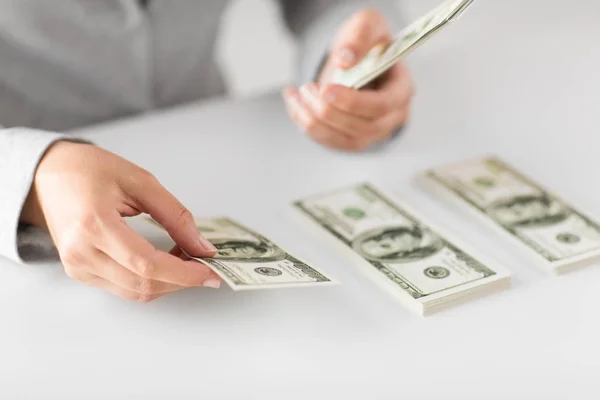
69 63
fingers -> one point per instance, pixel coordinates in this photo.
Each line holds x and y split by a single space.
128 266
322 119
358 36
324 133
155 200
105 267
349 124
134 253
395 93
318 131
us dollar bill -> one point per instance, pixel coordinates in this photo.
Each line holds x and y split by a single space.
383 56
561 237
246 260
397 248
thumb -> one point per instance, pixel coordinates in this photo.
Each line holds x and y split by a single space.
163 207
358 36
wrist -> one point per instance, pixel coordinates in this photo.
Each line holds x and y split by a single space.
32 211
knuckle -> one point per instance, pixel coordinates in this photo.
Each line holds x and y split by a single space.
142 178
145 286
74 240
183 214
75 274
326 112
145 175
89 224
87 280
142 265
71 272
73 237
71 254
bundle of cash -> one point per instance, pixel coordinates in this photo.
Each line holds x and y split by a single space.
246 260
382 57
399 250
560 237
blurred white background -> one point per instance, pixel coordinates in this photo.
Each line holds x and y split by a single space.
258 54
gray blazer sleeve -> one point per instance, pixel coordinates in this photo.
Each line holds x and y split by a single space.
20 152
315 23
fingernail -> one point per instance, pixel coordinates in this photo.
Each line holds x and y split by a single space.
346 56
206 244
212 283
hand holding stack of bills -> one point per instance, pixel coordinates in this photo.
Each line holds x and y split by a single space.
381 58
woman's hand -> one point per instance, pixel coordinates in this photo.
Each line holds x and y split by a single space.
348 119
81 194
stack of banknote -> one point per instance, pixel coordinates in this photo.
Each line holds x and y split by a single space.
557 236
382 57
424 267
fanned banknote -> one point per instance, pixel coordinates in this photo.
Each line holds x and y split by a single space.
246 260
382 57
561 237
399 250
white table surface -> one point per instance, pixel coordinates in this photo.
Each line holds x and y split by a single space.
523 86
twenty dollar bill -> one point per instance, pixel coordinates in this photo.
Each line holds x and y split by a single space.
394 246
560 236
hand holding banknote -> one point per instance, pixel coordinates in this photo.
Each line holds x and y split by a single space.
81 193
348 119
